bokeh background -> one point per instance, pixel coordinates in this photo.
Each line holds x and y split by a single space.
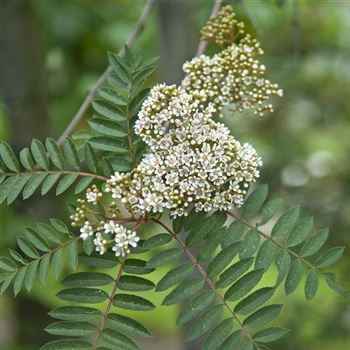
51 53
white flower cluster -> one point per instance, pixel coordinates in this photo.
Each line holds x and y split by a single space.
112 235
195 163
233 77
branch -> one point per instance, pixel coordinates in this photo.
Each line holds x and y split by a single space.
204 43
205 276
131 39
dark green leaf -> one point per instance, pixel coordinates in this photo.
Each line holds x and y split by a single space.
294 276
270 209
27 247
254 202
49 182
233 234
72 254
165 257
108 110
204 322
17 187
223 259
250 244
107 127
184 291
83 183
9 157
26 159
109 144
83 295
174 276
87 279
36 240
315 243
218 335
283 262
134 283
270 334
6 186
286 223
157 240
90 158
55 153
132 302
128 325
193 308
311 285
233 272
264 315
232 340
48 232
330 280
32 185
329 257
18 257
118 339
266 255
71 328
300 232
137 267
107 260
112 96
67 345
244 285
39 154
71 153
7 264
65 183
75 313
19 279
254 300
56 261
44 268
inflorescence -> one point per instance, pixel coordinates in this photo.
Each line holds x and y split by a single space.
193 161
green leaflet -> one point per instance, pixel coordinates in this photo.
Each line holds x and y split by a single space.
39 154
285 223
254 300
184 291
67 345
75 313
204 322
137 267
266 255
135 284
9 157
254 202
264 315
300 232
107 260
174 276
329 257
269 210
314 243
55 153
233 234
83 295
128 325
193 308
311 285
244 285
218 335
232 340
87 279
71 328
118 339
132 302
157 241
250 244
165 257
294 276
270 334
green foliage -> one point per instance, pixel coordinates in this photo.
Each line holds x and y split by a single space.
46 167
40 249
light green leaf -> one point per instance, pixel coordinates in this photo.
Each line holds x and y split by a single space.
128 325
174 276
6 186
294 276
254 300
17 187
83 183
184 291
27 247
44 268
18 257
7 264
19 279
254 202
270 334
112 96
71 328
48 232
83 295
109 144
244 285
194 307
330 257
134 283
107 127
311 285
264 315
132 302
56 262
90 158
39 154
204 322
36 240
315 243
108 110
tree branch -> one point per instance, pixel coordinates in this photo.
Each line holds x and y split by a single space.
203 44
131 39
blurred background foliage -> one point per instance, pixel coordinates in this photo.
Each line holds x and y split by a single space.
53 51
